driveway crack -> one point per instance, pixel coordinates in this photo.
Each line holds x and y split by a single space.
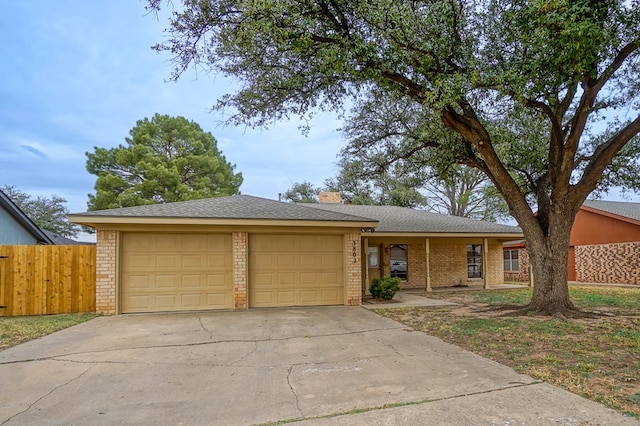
243 357
213 342
292 390
205 328
47 394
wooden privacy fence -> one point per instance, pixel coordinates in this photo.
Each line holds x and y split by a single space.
43 279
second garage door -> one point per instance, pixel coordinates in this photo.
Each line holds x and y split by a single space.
295 270
175 272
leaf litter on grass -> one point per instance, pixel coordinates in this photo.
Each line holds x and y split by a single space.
598 358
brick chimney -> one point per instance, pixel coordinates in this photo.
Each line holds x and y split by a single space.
330 197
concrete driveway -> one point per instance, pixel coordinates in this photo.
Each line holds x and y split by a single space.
330 365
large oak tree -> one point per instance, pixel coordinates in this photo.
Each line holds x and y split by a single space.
573 64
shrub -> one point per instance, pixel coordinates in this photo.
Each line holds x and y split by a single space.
385 287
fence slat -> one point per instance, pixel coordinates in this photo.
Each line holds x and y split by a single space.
37 280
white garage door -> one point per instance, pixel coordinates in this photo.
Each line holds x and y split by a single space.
175 272
296 270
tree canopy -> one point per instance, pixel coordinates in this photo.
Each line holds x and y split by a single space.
47 213
165 159
463 67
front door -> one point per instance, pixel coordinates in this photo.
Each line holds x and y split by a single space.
374 264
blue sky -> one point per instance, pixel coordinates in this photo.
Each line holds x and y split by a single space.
79 74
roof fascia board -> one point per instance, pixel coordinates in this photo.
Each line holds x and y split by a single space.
104 220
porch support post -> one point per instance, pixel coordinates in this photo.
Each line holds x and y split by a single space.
485 249
428 270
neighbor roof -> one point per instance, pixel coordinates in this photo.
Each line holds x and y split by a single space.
619 208
394 219
23 219
236 207
61 240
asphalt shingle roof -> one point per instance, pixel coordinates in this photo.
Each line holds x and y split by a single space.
620 208
391 219
401 219
233 207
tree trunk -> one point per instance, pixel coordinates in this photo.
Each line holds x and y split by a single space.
549 259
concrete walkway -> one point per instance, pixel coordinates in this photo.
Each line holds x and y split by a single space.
318 366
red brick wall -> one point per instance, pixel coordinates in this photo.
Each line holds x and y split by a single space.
608 263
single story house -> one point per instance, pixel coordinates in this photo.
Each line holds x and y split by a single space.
16 228
248 252
604 246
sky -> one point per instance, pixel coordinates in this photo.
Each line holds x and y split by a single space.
78 74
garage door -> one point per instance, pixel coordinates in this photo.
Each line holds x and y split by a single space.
174 272
295 270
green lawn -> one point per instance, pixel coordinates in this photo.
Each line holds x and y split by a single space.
598 358
16 330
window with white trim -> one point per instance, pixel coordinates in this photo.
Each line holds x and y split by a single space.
511 261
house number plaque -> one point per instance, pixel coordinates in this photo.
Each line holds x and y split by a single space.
354 251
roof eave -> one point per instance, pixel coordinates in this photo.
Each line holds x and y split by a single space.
496 235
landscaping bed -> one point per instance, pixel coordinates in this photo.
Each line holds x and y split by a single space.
598 358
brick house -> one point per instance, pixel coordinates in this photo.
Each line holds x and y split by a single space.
244 252
604 246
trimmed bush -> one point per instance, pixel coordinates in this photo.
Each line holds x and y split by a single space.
385 287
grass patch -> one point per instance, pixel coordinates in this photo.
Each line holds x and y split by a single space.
598 358
16 330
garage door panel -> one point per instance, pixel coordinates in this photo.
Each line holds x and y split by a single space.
308 279
172 272
138 302
137 262
165 281
286 279
165 261
330 261
219 281
215 243
286 298
309 260
263 298
286 261
308 296
305 266
166 242
191 281
330 279
217 300
329 295
265 261
140 281
219 261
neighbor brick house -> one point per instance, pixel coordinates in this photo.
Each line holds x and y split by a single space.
604 246
243 252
